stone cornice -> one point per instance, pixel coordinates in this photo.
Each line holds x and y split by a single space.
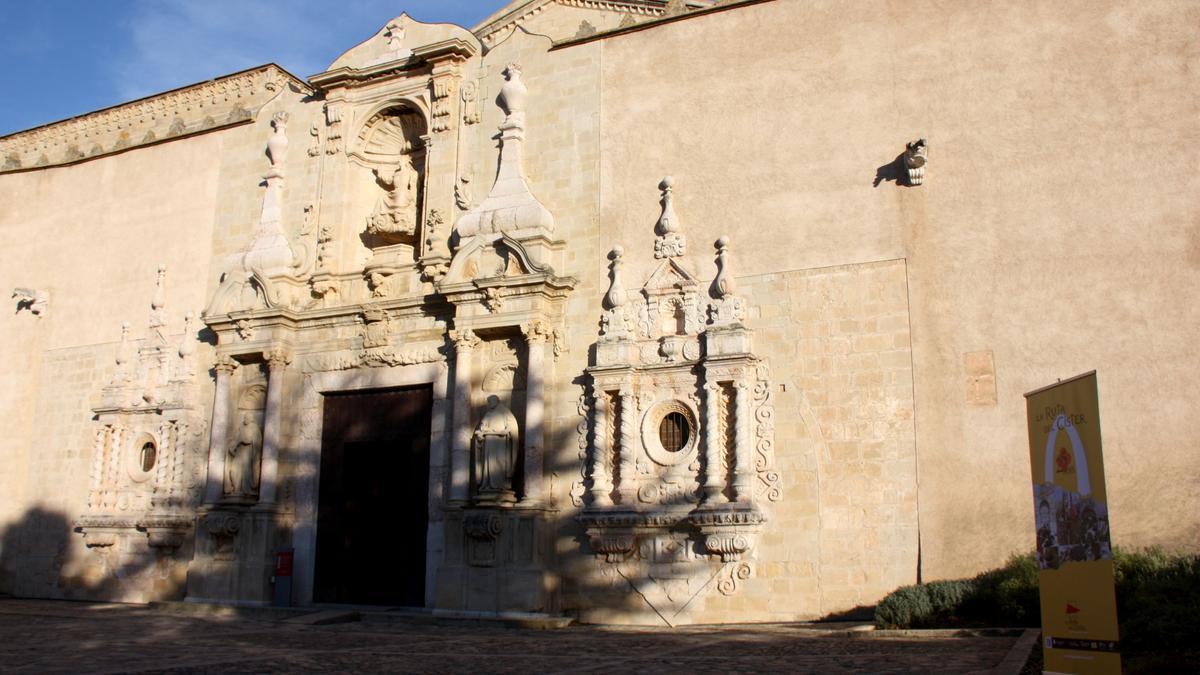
505 20
453 48
221 102
658 19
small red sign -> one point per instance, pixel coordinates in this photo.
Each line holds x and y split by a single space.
283 563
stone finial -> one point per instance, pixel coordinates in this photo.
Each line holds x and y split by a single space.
510 207
670 242
916 154
512 96
615 297
723 284
187 348
277 145
158 318
726 309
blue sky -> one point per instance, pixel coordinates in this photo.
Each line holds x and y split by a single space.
68 57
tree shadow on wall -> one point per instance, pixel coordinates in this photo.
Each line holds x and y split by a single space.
42 555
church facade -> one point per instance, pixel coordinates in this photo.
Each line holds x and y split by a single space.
630 310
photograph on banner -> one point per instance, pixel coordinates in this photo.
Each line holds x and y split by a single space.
1074 546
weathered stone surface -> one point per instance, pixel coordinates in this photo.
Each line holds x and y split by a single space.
841 371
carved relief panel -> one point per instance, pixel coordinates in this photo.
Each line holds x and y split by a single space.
147 465
677 432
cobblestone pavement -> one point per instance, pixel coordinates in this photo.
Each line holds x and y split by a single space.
50 636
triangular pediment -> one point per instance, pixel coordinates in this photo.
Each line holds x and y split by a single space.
670 276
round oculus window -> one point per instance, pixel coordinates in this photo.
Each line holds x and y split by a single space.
669 433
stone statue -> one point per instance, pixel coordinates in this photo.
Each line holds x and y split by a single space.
242 464
396 212
496 453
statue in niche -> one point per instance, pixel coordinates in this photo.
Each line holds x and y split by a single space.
396 212
496 453
242 464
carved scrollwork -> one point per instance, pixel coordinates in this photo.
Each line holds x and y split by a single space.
731 576
485 526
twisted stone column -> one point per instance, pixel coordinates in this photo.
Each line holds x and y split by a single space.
712 487
601 471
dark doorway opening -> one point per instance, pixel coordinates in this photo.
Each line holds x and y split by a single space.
373 501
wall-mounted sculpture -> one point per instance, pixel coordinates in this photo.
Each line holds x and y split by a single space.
916 154
31 299
679 446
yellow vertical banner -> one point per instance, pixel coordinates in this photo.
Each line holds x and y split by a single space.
1074 550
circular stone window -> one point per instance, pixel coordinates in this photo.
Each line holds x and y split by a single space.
669 433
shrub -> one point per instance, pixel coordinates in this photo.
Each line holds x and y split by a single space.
1158 600
1158 604
904 607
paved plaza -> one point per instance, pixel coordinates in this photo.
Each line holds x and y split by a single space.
50 636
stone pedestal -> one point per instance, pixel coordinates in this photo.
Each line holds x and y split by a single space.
235 555
497 560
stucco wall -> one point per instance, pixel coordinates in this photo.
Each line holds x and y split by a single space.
1056 227
92 235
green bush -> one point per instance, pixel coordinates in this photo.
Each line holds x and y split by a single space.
1158 603
904 607
1158 600
1006 596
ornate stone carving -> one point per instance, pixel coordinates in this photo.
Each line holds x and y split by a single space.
32 299
731 576
470 111
314 147
462 192
376 328
442 112
333 127
916 154
485 526
495 446
464 339
245 329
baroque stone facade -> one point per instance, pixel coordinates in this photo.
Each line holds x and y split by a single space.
424 326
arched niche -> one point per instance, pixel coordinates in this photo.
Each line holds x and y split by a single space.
391 145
